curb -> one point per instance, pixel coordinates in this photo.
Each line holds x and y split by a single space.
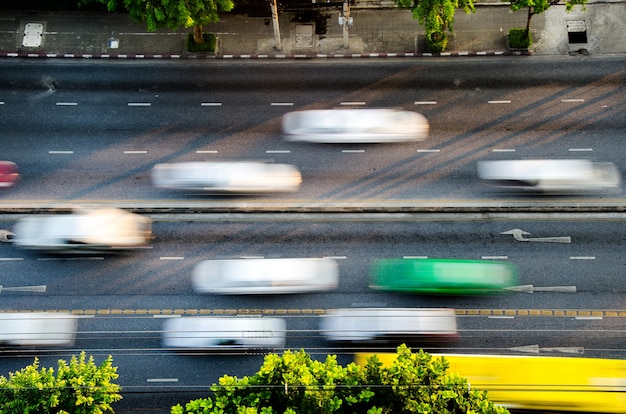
136 56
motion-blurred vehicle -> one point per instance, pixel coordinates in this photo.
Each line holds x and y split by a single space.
366 125
539 383
217 333
390 325
84 231
443 276
550 176
9 175
265 276
37 329
227 177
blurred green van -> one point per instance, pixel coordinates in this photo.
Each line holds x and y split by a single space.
443 276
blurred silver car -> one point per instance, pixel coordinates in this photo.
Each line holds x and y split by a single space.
265 276
227 177
550 176
355 126
37 329
354 325
217 333
85 230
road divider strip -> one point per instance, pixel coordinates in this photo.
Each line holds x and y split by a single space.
555 313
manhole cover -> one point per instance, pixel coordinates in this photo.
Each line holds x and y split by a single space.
33 33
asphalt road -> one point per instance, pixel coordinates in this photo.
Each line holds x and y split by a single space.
122 300
92 131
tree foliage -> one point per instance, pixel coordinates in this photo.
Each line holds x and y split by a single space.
540 6
295 383
171 13
437 16
80 387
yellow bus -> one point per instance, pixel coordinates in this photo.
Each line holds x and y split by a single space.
538 382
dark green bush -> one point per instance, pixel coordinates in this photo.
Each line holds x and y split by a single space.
207 47
436 42
519 40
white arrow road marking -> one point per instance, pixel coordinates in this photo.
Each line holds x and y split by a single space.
535 349
39 288
519 234
531 289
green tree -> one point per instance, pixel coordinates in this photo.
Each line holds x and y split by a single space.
295 383
540 6
437 16
172 13
80 387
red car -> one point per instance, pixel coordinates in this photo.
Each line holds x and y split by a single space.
8 174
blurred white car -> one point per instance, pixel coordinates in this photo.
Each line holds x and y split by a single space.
100 229
37 329
217 333
354 325
227 177
265 276
355 126
550 176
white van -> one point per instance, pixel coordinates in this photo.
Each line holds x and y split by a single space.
227 177
85 230
363 125
550 176
355 325
220 333
265 276
37 329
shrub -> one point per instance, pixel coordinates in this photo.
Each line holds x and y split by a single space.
436 42
518 39
207 47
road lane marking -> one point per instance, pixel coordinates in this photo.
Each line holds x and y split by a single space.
60 152
499 102
428 150
162 380
572 100
335 257
503 150
415 257
582 258
425 103
67 104
278 152
206 152
135 152
281 104
588 318
494 257
172 258
352 103
44 259
210 104
352 151
580 149
9 259
139 104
